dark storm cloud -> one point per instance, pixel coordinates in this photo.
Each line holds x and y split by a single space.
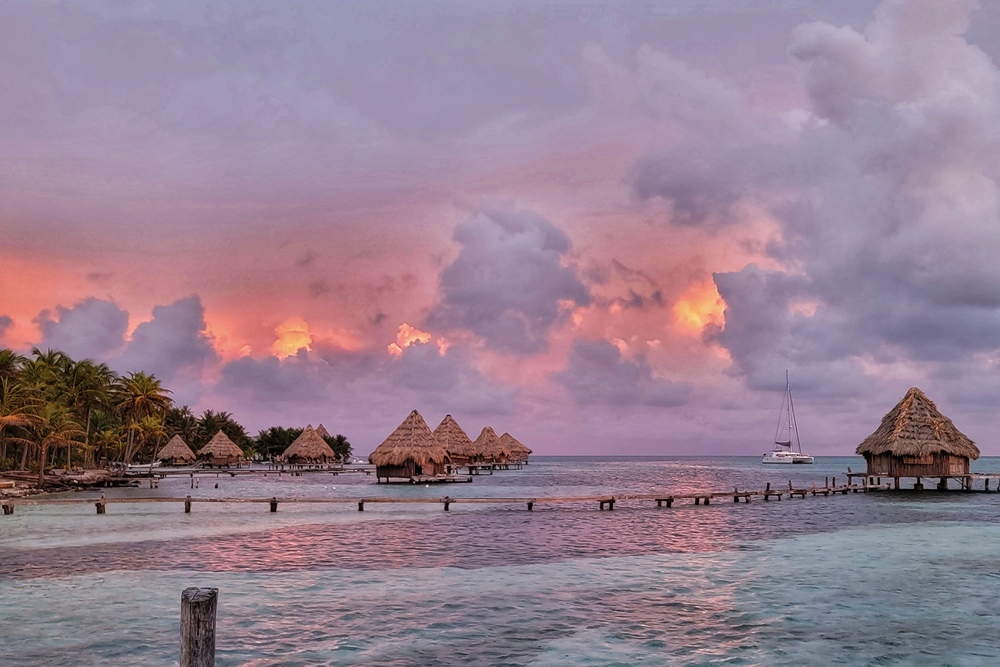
597 374
508 283
5 323
449 382
175 340
92 329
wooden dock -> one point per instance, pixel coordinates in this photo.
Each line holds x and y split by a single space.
604 501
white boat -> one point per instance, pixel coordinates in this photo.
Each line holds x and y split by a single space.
783 452
142 468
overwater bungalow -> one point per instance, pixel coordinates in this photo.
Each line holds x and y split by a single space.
519 452
323 433
916 440
221 451
489 449
309 449
410 453
176 453
456 442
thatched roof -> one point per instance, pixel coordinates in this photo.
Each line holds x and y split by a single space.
915 427
323 433
488 445
514 445
176 450
411 441
220 447
455 441
309 446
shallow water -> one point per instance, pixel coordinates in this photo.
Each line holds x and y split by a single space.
862 579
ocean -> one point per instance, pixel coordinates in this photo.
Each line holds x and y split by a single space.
863 579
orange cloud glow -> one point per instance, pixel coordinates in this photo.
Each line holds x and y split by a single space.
293 335
407 336
700 306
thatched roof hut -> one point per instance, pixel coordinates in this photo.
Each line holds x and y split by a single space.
220 450
323 433
455 441
489 448
409 451
916 440
176 452
518 451
309 447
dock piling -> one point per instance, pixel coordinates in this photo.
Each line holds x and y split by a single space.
101 504
531 505
361 505
8 508
187 505
274 504
198 607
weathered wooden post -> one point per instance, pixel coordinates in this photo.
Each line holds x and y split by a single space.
361 505
198 606
100 504
274 504
447 503
187 505
767 492
531 505
8 508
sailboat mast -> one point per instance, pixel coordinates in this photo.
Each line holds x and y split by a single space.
793 427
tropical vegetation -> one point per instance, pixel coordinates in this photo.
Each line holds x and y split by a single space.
61 412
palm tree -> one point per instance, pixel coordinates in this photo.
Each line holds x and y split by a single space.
88 386
55 427
139 395
10 364
150 429
17 404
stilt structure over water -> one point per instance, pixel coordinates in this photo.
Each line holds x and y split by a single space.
309 448
456 442
915 440
411 453
176 452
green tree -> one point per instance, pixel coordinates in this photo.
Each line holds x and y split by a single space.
212 422
340 446
54 427
139 395
274 441
88 387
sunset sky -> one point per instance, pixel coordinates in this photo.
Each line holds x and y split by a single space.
606 227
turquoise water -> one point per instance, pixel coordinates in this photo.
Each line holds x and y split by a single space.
862 579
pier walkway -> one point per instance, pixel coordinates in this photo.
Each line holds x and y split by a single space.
604 501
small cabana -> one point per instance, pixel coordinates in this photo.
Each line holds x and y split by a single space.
221 451
309 448
489 449
916 440
455 441
411 451
519 452
176 452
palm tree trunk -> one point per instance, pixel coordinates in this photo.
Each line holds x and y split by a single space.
43 450
24 458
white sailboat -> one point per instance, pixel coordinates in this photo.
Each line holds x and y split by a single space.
783 452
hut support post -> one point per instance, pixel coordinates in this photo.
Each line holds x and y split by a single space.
917 486
198 606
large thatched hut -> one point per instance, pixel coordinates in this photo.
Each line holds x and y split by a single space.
409 451
916 440
455 441
309 448
323 433
220 451
519 452
176 452
489 449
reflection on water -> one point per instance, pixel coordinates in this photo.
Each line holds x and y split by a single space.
842 580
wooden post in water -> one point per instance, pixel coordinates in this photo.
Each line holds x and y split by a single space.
361 505
100 505
531 505
447 503
8 508
274 504
198 607
767 492
187 505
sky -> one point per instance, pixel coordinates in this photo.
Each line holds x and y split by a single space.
605 227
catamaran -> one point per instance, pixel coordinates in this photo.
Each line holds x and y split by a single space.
782 452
